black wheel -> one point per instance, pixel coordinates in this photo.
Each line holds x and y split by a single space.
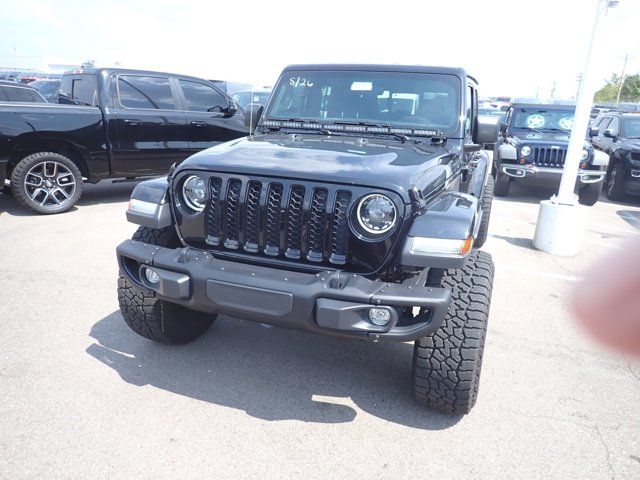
485 205
615 187
589 193
156 319
447 364
502 184
47 182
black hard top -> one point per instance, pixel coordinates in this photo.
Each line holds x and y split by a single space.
459 72
131 71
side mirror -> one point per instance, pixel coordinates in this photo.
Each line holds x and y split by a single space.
252 114
610 134
503 127
232 108
486 129
594 131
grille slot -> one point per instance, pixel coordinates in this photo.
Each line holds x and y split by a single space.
549 157
280 218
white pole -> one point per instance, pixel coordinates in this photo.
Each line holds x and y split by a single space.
624 67
581 118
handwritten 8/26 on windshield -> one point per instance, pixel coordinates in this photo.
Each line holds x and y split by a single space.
300 82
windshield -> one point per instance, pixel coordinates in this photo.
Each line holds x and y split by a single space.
631 127
409 100
541 118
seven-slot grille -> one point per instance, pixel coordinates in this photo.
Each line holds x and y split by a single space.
549 157
279 218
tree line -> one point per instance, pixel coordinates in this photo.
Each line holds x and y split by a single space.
630 89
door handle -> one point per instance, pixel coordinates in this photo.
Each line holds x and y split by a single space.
198 123
132 122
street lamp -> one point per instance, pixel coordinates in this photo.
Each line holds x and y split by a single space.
560 219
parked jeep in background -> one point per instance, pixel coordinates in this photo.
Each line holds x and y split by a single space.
619 138
355 209
533 147
116 124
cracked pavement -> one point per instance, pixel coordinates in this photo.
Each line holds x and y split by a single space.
83 397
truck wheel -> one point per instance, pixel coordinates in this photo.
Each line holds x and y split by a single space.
156 319
589 193
447 364
503 182
486 201
47 182
615 188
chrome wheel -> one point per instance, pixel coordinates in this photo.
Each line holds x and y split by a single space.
50 184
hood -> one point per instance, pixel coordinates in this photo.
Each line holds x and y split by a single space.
373 162
631 144
543 139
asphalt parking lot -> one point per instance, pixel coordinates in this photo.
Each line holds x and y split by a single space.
84 397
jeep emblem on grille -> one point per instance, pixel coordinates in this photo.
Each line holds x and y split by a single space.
555 147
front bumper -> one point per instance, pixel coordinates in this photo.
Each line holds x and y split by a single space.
550 174
332 302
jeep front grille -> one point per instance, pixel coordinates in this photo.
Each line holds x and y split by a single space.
549 157
279 218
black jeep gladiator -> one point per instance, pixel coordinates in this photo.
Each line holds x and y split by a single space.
113 123
533 147
619 138
356 208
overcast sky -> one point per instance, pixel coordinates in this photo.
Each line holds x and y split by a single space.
513 47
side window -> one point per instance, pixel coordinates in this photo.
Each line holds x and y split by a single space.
202 98
597 121
19 95
84 89
145 92
604 123
613 126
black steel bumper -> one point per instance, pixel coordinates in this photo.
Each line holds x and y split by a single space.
550 175
333 302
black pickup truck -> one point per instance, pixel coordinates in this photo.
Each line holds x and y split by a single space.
356 208
110 123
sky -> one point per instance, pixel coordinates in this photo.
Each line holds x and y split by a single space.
513 47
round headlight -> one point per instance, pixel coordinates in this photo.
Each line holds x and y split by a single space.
584 155
194 193
525 151
376 213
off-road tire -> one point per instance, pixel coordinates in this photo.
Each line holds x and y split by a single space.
485 206
21 170
447 364
589 194
615 183
502 184
156 319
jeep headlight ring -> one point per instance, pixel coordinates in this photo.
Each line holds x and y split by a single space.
194 193
525 151
584 155
376 214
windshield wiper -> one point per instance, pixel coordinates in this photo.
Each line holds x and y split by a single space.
554 129
531 129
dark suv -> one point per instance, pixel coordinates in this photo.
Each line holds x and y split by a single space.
619 138
356 208
533 147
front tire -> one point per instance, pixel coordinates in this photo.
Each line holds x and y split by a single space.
47 182
447 364
589 194
485 205
615 187
156 319
502 184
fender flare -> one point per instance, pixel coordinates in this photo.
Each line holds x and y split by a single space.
149 204
507 152
600 158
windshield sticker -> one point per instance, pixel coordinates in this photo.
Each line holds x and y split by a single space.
361 86
566 123
535 121
300 82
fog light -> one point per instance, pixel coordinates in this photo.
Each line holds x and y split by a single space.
583 165
523 161
152 276
379 316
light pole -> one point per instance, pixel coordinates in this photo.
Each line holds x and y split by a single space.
560 219
624 67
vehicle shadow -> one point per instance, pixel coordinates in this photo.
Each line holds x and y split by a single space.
100 193
520 192
632 217
272 373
